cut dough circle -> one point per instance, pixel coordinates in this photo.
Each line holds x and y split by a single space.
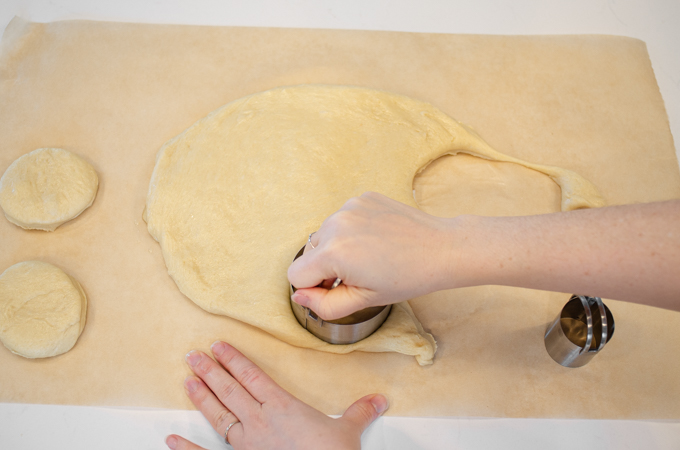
42 310
47 187
233 198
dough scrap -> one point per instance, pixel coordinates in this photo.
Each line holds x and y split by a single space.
47 187
233 198
42 310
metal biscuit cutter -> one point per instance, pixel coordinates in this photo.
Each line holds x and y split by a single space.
346 330
580 331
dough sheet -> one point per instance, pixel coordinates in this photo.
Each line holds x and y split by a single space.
231 197
115 93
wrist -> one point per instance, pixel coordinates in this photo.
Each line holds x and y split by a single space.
466 251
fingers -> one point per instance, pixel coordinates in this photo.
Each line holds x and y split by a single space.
312 242
229 391
314 266
206 402
365 410
332 304
175 442
250 376
349 246
327 247
310 269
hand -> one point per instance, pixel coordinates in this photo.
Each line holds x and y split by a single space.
269 417
383 251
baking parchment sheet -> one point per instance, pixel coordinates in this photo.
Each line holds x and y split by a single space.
114 93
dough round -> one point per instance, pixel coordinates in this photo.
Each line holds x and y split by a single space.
47 187
234 197
42 310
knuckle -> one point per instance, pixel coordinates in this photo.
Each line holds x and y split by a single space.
367 413
339 225
228 357
227 390
354 201
249 375
221 419
206 366
292 272
199 395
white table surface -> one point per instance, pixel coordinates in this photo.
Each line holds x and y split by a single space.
657 22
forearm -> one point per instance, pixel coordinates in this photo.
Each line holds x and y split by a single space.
629 253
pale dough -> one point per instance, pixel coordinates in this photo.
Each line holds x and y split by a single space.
47 187
233 198
42 310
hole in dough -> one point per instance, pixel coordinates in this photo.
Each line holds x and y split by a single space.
464 184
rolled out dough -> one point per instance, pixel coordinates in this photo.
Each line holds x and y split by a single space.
47 187
42 310
233 198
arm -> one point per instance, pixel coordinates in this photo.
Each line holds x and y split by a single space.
386 252
629 253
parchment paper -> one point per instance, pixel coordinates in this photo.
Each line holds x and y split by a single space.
114 93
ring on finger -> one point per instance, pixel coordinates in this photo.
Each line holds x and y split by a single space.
226 432
309 241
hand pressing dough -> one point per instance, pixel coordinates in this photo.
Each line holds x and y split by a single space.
233 198
42 310
47 187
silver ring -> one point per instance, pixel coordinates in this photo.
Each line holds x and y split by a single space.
310 240
226 432
336 283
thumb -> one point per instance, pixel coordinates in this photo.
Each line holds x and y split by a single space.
175 442
365 410
330 304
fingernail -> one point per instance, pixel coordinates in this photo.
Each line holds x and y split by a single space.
171 441
191 384
380 403
301 299
193 357
218 348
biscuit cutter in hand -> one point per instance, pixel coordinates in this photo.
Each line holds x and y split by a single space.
346 330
